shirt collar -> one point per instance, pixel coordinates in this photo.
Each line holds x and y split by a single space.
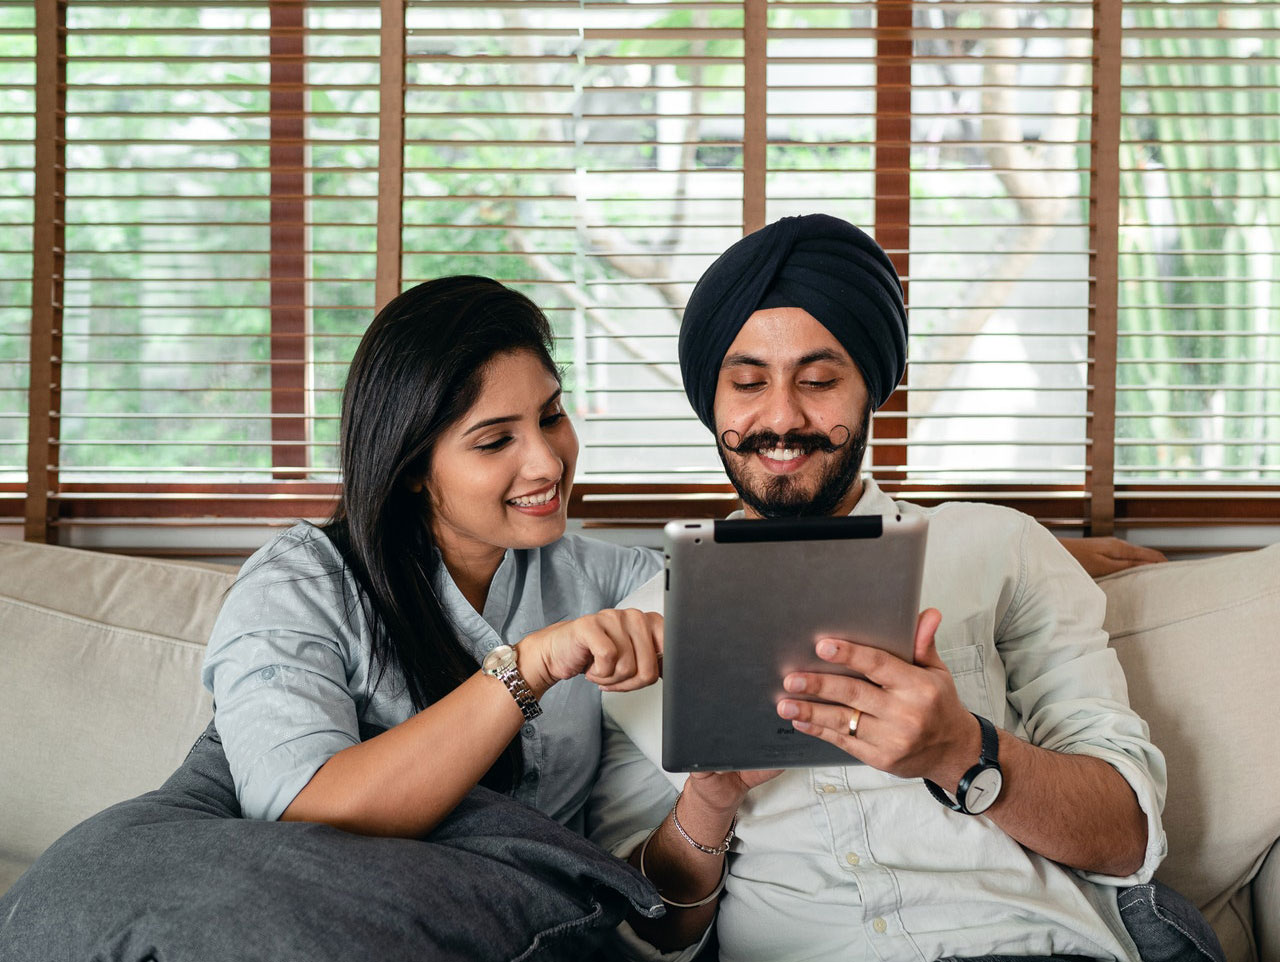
498 603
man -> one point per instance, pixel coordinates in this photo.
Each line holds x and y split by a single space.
789 342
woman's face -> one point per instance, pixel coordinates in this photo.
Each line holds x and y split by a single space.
500 477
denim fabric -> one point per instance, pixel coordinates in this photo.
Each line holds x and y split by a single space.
1163 925
177 875
1166 927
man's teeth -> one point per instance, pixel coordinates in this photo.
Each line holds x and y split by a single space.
533 499
782 454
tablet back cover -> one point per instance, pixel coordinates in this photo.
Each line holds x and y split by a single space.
741 612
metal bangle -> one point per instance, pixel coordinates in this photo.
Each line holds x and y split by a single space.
721 849
715 892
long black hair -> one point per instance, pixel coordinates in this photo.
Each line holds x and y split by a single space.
417 371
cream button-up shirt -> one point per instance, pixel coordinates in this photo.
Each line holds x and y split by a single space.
851 863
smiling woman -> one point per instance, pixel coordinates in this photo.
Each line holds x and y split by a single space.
447 551
500 477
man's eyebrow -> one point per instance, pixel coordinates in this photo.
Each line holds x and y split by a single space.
825 354
813 357
490 422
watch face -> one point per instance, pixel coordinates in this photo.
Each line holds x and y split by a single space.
501 658
983 791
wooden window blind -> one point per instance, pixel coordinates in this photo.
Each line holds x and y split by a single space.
1198 365
589 155
17 190
1076 192
220 210
999 271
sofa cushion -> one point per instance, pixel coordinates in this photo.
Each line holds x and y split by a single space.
100 696
1199 645
177 875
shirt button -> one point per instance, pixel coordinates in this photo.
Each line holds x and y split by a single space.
852 858
880 925
828 789
267 674
531 778
528 731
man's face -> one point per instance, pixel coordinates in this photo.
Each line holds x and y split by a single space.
791 415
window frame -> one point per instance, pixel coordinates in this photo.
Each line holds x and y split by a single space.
1097 506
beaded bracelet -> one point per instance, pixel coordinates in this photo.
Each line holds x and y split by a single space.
721 849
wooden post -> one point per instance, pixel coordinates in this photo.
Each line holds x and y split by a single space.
288 241
1104 265
390 152
48 259
893 193
755 156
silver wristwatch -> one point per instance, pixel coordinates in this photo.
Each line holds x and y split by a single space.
501 664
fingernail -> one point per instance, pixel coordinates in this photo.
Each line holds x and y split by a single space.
788 709
826 648
802 726
794 683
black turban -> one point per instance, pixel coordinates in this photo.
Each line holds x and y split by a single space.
819 263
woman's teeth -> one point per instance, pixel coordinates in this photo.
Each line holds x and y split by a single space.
782 454
535 499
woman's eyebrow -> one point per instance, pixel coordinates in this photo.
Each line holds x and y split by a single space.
504 419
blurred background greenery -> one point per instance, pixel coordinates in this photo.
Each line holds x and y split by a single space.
592 157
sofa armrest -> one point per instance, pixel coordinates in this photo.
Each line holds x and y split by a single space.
1266 907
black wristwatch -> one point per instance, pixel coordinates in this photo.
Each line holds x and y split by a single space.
980 786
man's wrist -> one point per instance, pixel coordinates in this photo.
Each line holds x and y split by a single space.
962 757
719 808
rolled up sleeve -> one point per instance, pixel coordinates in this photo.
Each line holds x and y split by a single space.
1068 686
276 666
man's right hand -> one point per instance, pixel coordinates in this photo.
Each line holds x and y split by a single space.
617 649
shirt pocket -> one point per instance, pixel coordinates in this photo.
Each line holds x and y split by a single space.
967 667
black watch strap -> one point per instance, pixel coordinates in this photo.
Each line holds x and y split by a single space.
988 757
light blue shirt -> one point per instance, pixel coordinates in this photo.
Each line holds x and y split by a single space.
846 862
289 663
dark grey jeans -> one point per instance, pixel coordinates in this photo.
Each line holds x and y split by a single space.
1163 925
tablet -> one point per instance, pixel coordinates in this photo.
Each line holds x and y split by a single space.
745 602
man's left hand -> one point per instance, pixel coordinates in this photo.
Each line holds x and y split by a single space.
911 721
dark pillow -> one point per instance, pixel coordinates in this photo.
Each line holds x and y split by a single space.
177 875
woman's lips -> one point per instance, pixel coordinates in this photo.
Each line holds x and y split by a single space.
532 505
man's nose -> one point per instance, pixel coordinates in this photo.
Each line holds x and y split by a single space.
782 411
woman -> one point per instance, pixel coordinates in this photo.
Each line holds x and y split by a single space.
447 546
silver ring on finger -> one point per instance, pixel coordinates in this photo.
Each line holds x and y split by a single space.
853 722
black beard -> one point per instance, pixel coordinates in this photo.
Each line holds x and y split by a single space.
781 496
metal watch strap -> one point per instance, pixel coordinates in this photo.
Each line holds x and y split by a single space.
521 692
987 754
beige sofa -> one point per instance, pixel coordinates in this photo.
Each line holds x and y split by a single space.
100 698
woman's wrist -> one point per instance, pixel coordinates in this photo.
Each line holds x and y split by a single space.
532 666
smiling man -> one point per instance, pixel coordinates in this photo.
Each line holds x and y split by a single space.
1008 801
